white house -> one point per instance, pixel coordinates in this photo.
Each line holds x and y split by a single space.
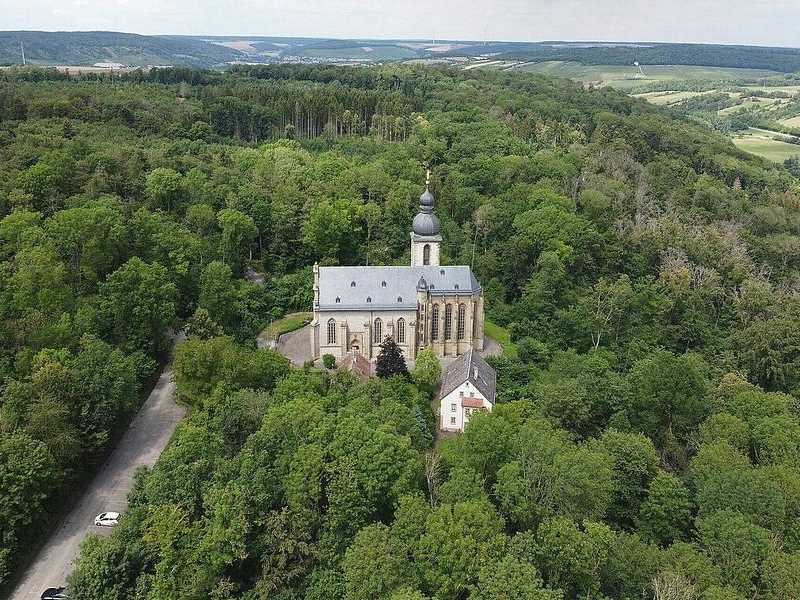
469 384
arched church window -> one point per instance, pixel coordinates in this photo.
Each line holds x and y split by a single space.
435 322
462 314
456 286
426 254
401 331
352 284
383 284
377 331
331 331
399 298
369 299
338 300
441 272
448 321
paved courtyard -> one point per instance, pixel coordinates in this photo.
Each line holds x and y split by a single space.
296 346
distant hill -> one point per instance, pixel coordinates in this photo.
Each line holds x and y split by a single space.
785 60
89 47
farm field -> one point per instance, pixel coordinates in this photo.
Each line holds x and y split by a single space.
623 77
791 122
365 52
669 97
766 147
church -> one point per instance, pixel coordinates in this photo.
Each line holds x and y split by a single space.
426 304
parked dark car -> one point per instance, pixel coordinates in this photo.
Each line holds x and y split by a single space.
58 593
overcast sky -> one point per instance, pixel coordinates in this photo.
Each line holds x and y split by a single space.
762 22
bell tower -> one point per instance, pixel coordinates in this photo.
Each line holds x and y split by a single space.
425 231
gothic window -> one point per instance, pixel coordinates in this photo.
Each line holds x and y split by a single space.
401 331
448 321
435 323
462 313
426 254
331 331
376 332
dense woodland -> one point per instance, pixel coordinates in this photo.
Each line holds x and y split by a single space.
646 443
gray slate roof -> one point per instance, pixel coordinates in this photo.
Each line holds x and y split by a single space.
399 291
472 366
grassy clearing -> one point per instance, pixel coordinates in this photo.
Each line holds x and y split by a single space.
792 122
290 322
767 147
502 336
668 98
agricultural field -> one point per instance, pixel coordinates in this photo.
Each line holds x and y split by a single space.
366 52
625 77
761 144
669 97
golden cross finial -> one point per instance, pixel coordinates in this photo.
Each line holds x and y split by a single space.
427 178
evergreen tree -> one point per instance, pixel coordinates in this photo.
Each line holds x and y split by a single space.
390 360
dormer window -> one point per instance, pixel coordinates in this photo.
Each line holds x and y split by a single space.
383 284
352 284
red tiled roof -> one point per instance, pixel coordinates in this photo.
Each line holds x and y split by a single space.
357 363
471 402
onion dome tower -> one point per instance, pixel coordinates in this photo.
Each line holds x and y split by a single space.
425 231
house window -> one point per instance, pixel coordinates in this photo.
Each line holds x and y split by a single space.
448 321
460 394
453 407
331 331
426 254
462 313
376 331
401 331
452 420
435 323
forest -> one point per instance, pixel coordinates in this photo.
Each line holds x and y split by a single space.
646 440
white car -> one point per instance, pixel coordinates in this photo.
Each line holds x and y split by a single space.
106 519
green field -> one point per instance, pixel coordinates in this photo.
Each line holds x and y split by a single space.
766 147
290 322
792 122
624 77
667 98
365 52
502 336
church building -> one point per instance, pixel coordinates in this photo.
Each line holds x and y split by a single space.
426 304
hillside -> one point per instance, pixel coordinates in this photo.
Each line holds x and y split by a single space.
89 47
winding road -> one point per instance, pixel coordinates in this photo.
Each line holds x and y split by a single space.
141 444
